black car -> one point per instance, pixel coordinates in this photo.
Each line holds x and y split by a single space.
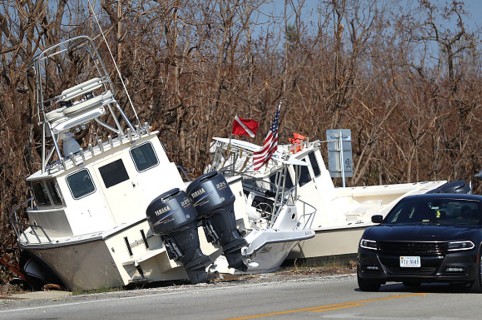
424 238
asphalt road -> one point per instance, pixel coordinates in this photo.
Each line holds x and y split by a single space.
325 297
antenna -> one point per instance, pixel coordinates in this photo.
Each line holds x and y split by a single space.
91 8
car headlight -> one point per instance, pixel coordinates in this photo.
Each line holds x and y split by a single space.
461 245
368 244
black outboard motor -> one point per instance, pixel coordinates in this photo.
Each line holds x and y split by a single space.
458 186
173 217
214 201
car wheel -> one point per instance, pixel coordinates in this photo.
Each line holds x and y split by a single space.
476 286
368 284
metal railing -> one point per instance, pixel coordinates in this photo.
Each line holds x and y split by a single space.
20 227
276 192
307 218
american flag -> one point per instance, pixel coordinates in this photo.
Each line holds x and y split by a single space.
270 144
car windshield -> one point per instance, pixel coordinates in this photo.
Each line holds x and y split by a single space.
435 211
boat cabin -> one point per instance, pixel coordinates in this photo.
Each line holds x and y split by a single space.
104 188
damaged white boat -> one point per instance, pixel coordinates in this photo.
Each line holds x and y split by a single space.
115 211
342 213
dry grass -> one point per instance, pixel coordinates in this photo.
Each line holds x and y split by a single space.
8 289
325 269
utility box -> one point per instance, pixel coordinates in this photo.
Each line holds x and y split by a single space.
340 157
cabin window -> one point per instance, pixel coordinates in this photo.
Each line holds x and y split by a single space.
40 194
288 182
54 191
113 173
314 164
46 193
144 157
305 176
80 184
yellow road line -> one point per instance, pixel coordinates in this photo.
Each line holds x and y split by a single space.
329 307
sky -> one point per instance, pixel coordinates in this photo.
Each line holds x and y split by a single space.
472 19
474 9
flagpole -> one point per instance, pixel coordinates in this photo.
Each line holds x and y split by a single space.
228 148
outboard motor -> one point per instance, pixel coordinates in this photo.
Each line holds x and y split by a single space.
458 186
173 216
214 202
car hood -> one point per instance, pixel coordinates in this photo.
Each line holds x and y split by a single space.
422 232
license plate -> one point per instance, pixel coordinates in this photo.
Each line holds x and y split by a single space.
410 262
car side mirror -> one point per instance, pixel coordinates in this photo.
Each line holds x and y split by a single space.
377 218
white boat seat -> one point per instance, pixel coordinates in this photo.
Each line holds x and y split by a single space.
80 113
91 103
65 123
82 88
54 115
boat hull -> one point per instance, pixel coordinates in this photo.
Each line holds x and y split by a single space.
270 257
117 258
329 242
83 266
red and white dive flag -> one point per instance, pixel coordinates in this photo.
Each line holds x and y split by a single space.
270 144
244 127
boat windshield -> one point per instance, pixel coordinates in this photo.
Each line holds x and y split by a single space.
435 211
